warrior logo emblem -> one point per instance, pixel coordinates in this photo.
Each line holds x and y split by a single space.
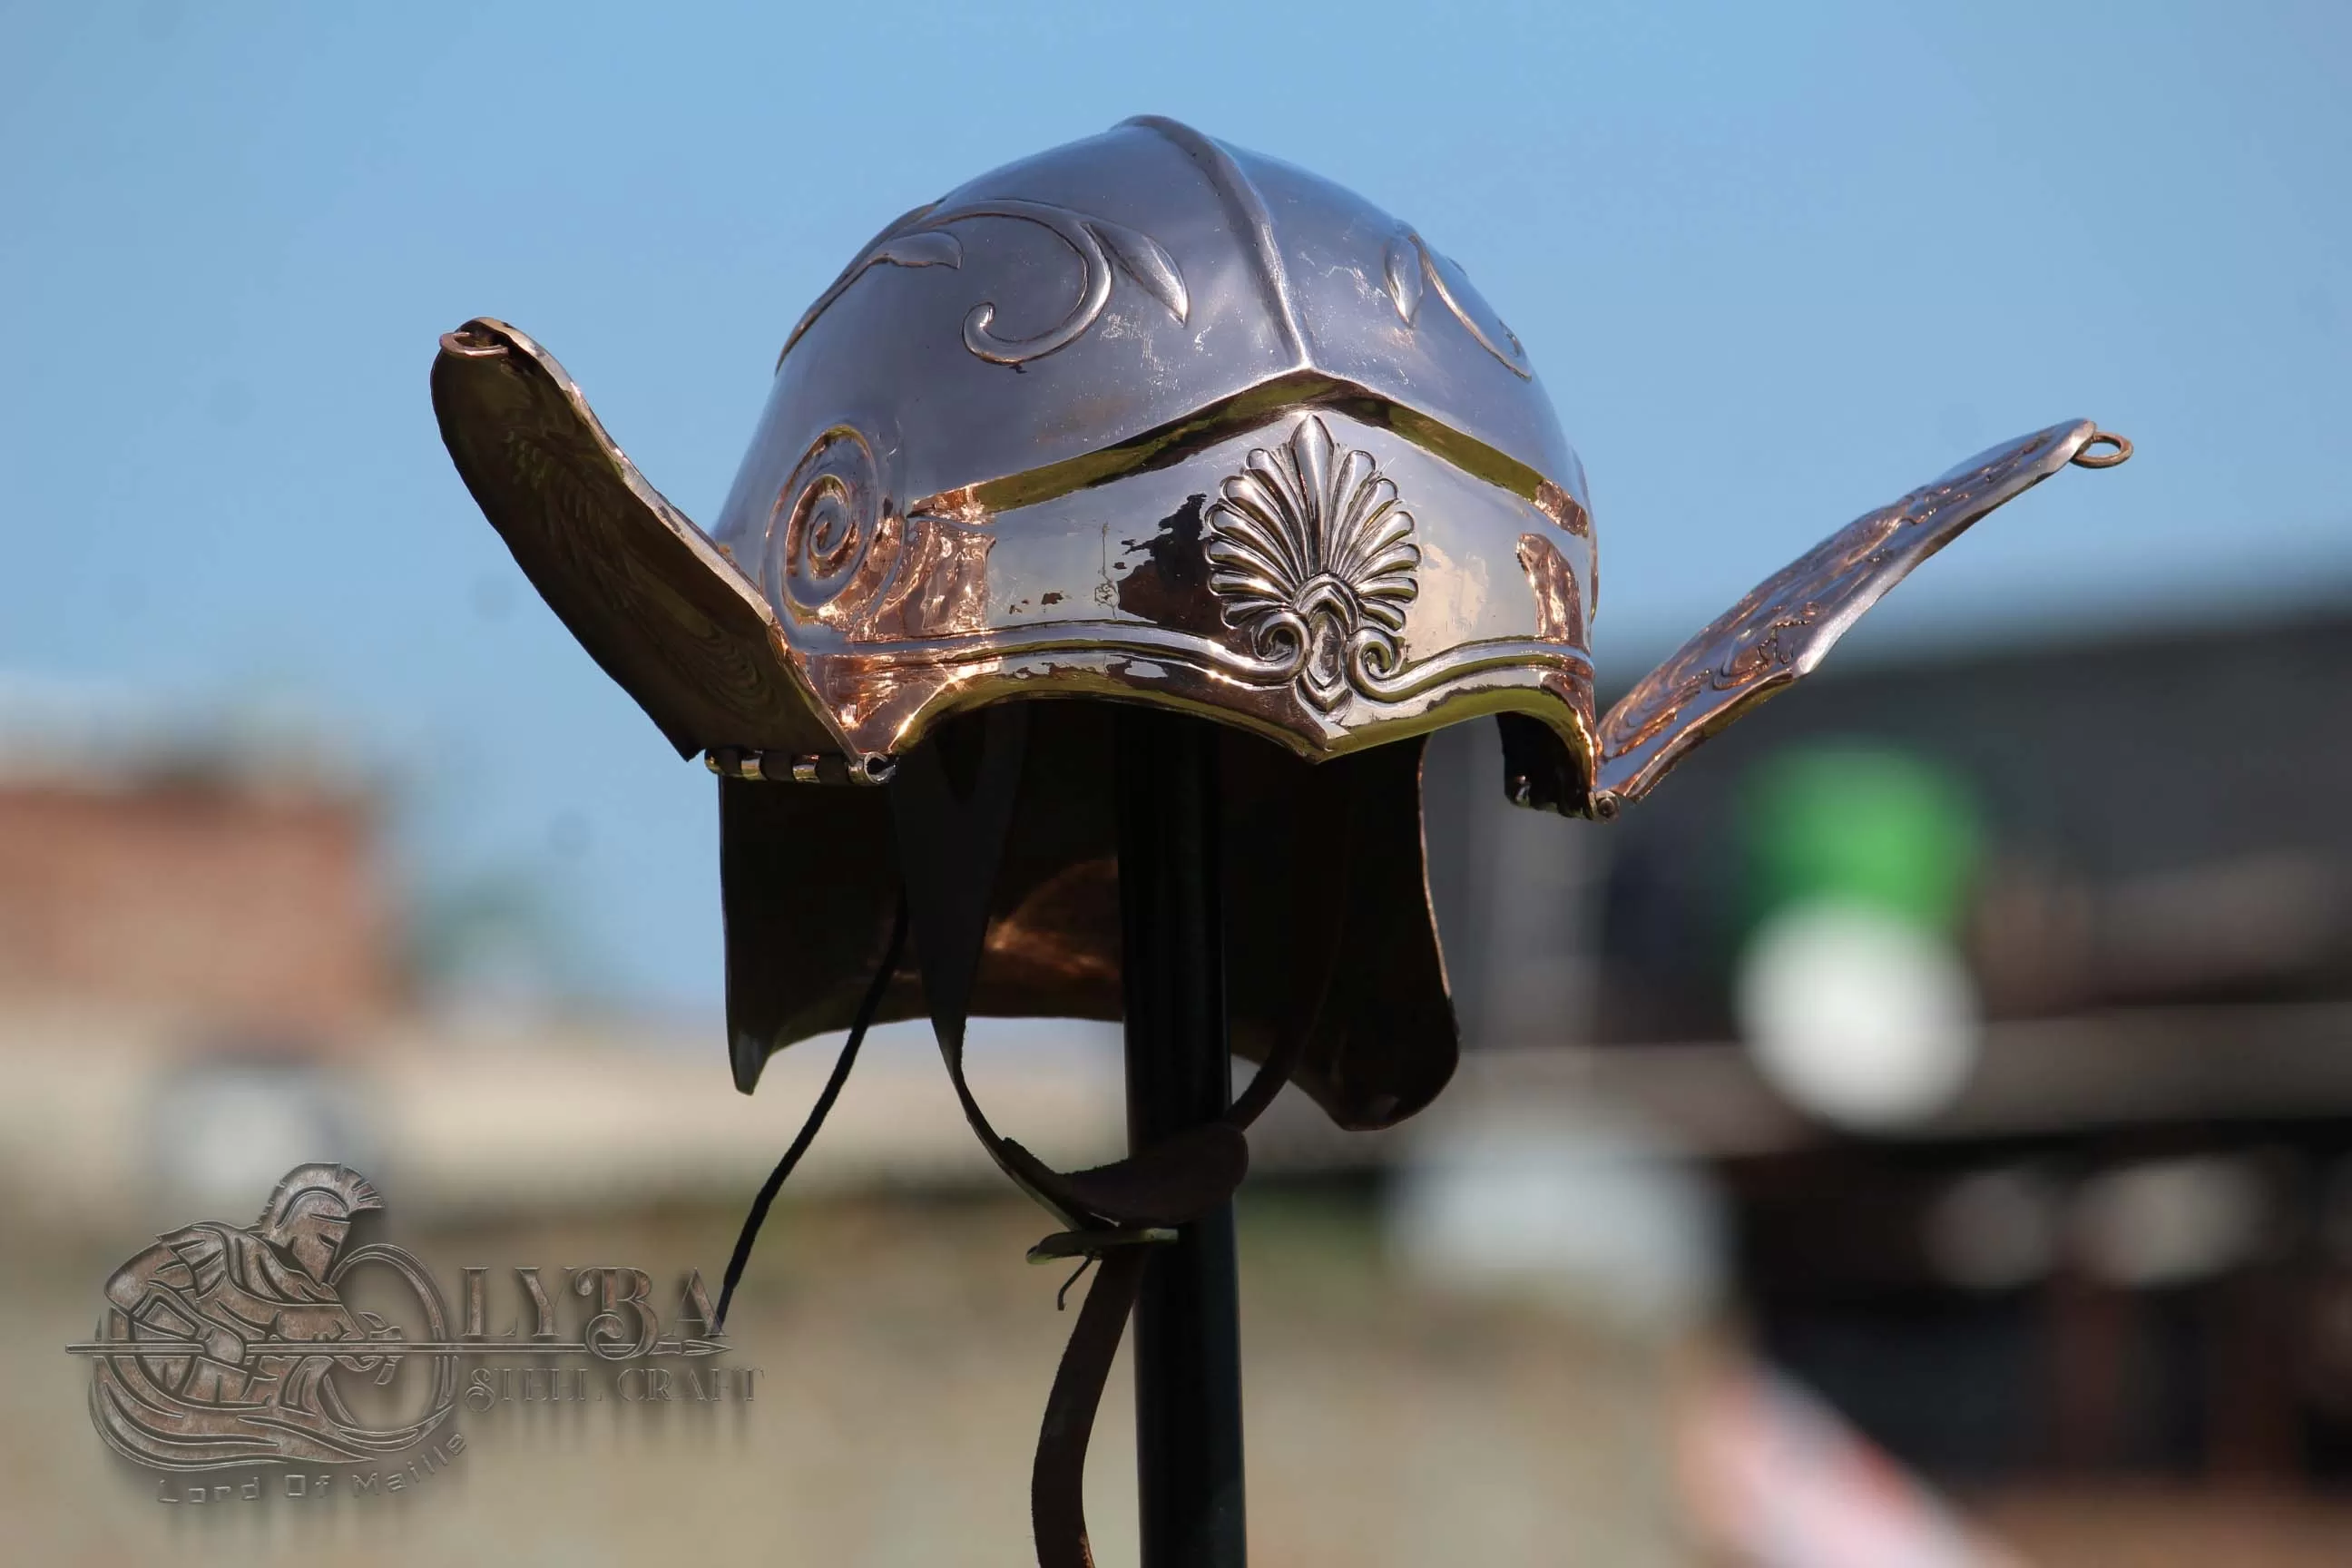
221 1344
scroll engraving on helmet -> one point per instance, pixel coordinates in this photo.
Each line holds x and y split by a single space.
1312 557
922 238
1410 264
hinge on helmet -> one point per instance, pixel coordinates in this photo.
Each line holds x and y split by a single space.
789 767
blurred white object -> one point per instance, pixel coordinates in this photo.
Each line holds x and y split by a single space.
1571 1207
2169 1222
1777 1481
1856 1015
224 1130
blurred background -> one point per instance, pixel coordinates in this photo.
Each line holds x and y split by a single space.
1921 1134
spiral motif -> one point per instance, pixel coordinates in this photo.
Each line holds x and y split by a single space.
1283 638
1373 659
826 520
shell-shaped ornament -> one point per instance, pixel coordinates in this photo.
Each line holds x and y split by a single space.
1311 555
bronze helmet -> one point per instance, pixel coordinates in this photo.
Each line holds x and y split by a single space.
1157 420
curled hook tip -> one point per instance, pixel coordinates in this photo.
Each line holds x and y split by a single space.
472 343
2086 458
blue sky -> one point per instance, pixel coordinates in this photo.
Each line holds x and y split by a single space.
1777 264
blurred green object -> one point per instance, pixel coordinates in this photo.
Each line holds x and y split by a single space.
1861 825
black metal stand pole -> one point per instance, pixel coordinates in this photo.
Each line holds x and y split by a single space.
1188 1364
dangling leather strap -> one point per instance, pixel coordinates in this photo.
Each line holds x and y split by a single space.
867 1008
949 851
1058 1477
1057 1513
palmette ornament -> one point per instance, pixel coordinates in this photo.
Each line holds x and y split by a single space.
1143 419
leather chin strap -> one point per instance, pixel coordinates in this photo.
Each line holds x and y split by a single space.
749 1233
950 846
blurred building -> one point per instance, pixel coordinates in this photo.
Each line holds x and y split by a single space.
222 878
259 910
205 977
2107 1228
